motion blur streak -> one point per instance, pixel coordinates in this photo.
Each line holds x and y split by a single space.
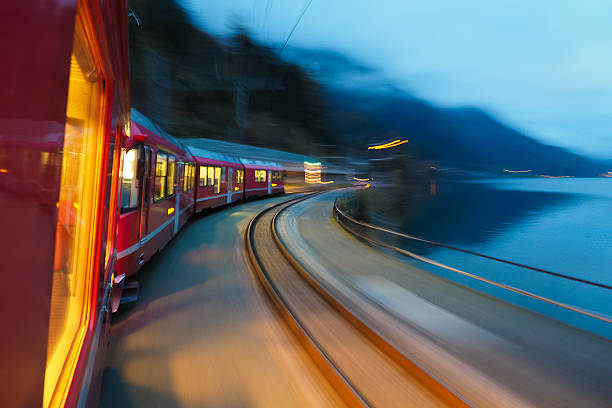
388 145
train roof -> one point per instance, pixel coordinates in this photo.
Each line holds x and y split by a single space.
196 151
141 119
260 163
252 155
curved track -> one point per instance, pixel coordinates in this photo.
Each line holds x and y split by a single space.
363 368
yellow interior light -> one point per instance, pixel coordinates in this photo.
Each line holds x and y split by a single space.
76 231
129 165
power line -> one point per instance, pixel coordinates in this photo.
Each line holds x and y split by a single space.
295 25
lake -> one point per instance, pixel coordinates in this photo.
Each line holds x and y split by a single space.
559 225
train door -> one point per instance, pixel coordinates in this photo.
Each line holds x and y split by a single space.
230 182
269 182
145 204
177 204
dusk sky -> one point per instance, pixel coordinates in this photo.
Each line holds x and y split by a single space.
543 67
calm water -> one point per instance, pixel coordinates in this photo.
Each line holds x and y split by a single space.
561 225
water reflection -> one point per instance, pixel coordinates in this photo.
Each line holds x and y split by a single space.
561 226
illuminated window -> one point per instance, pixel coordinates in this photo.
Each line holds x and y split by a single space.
171 174
203 176
130 185
161 175
211 176
217 180
74 268
239 176
189 177
260 176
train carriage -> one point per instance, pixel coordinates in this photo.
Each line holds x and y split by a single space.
157 185
64 112
219 179
262 178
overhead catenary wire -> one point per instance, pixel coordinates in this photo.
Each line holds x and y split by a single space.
296 24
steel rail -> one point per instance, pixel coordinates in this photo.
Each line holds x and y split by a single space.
337 212
425 241
449 395
343 386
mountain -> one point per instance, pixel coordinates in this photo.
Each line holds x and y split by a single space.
194 84
366 109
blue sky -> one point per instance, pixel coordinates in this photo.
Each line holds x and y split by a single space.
543 67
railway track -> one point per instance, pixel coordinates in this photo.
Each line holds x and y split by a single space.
362 367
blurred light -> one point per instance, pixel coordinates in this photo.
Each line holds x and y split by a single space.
361 179
312 172
326 182
394 143
130 164
127 130
3 171
367 185
517 171
554 177
170 210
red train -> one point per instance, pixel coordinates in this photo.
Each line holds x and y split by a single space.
86 194
64 113
164 182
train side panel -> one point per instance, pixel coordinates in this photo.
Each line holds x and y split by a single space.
217 182
262 178
65 108
155 203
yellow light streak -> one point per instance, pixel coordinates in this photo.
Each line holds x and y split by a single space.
326 182
389 145
170 210
361 179
74 264
3 171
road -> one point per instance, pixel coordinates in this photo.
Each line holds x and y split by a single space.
203 333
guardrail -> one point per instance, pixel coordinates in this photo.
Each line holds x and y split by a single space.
364 231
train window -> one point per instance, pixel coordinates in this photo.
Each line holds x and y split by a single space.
171 175
260 176
239 176
161 175
74 265
189 177
130 185
211 176
223 173
203 176
217 180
